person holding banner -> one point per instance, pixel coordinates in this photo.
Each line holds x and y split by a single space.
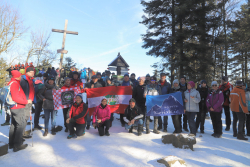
102 113
153 89
183 87
214 103
75 81
48 105
65 110
133 117
76 117
192 100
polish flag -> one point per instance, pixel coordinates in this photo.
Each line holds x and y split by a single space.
117 98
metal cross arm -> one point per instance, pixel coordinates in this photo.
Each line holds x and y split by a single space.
67 32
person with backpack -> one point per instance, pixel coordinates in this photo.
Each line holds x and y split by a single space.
101 118
77 117
17 112
48 104
247 91
39 104
152 89
84 76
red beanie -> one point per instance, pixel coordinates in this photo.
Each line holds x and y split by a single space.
15 74
191 83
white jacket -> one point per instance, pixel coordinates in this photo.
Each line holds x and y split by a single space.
192 104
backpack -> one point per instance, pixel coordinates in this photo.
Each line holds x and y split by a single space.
93 73
5 96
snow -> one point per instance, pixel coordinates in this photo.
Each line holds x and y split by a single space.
123 149
172 158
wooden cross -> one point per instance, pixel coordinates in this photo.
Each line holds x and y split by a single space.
62 51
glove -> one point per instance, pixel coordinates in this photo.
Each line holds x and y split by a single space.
1 111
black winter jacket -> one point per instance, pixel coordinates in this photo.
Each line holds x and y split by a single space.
138 95
132 113
96 85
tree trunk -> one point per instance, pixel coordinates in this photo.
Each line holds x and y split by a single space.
225 36
173 41
246 70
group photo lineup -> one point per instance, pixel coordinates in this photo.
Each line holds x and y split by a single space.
125 83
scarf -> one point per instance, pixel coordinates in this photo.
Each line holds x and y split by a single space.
103 106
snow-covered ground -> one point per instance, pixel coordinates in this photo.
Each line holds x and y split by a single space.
123 149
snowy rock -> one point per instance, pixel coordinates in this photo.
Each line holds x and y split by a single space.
172 161
184 141
3 148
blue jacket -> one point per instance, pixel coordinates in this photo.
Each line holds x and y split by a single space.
135 82
25 86
166 88
83 75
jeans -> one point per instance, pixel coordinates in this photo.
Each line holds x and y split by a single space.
165 121
191 121
17 127
101 127
137 122
238 116
228 115
80 128
47 113
177 123
65 111
38 110
217 122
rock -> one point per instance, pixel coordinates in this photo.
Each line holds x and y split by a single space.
184 141
3 148
172 161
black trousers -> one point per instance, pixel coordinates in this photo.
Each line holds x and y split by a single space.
80 128
177 123
17 127
200 119
165 121
144 111
184 121
217 122
38 110
101 126
191 121
248 123
7 118
65 111
228 115
121 119
238 116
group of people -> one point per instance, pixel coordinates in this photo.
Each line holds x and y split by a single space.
27 90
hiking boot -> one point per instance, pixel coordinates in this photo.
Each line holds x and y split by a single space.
5 124
241 137
71 136
147 131
131 130
165 130
218 136
107 133
140 127
88 126
248 134
213 134
11 146
38 127
66 129
235 135
27 136
227 128
186 129
22 147
53 131
202 131
58 128
159 127
123 125
45 132
156 132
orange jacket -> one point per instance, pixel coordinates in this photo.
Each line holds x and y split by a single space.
238 100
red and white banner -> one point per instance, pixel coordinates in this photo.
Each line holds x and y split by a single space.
60 103
117 97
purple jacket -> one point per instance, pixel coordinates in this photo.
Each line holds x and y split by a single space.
100 113
215 100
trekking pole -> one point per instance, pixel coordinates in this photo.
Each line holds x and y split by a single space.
31 133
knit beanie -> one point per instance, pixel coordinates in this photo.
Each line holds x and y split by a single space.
80 95
15 74
203 81
239 83
191 83
175 81
126 75
225 78
214 83
29 69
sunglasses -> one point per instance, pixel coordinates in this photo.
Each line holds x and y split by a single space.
214 85
152 80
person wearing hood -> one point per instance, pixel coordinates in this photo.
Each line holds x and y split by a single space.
75 81
100 80
17 112
84 76
48 104
240 108
76 117
201 115
152 89
183 87
90 85
214 103
192 100
101 118
45 77
165 89
22 69
226 88
133 117
147 81
177 118
65 110
133 80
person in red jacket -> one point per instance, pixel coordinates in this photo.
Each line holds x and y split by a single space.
76 117
75 81
17 113
102 112
65 110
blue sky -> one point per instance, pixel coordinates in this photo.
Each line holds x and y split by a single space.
105 28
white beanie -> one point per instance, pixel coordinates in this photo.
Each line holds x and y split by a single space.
214 83
176 81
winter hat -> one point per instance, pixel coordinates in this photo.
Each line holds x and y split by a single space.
45 75
191 83
75 72
15 74
94 77
203 81
239 83
153 78
132 74
80 95
98 73
176 81
51 78
38 82
225 78
214 83
40 75
66 79
132 100
126 75
163 74
147 75
29 69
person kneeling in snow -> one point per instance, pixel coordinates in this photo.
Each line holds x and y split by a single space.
76 117
133 117
102 112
